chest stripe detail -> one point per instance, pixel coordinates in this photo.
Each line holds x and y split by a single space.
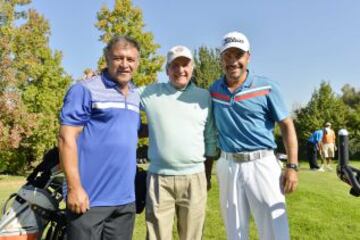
221 102
251 95
220 96
251 90
118 105
247 94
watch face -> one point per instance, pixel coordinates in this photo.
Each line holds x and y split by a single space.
292 165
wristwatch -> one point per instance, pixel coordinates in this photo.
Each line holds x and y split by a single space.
292 166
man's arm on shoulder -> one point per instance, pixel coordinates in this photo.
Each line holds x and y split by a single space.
144 130
291 145
77 198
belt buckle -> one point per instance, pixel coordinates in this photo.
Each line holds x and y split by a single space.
257 155
240 157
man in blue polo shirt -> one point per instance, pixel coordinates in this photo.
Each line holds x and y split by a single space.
246 108
97 142
313 146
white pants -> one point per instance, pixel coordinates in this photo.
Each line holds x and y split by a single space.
252 187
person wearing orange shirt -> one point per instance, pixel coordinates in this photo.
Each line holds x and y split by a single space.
328 145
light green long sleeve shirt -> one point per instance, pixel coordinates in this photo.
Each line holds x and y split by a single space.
181 128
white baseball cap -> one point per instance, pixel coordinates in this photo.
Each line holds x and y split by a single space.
235 40
178 51
327 124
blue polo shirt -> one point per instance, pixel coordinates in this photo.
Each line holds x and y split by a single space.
107 144
316 137
246 118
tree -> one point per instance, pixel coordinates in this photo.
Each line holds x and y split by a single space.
351 97
14 126
33 84
207 66
324 106
127 20
353 128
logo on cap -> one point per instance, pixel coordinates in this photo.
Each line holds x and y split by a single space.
233 39
179 49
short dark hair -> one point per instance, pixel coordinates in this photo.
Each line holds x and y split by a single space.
122 39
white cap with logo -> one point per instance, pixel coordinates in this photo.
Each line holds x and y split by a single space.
178 51
235 40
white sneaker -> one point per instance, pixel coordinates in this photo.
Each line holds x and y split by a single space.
329 168
321 169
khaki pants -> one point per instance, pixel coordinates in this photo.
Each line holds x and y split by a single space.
328 150
183 195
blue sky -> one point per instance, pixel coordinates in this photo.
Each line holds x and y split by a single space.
296 43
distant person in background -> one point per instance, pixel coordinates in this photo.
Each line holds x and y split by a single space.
328 145
313 146
88 73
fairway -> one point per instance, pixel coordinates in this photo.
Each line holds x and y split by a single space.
320 209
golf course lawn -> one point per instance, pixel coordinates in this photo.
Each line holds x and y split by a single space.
321 208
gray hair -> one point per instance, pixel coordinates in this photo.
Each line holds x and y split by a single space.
121 39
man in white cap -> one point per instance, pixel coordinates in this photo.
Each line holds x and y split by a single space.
246 108
181 136
328 145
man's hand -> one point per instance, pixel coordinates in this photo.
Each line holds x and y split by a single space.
290 180
208 182
208 169
77 200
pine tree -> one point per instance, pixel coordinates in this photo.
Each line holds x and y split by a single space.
126 19
207 66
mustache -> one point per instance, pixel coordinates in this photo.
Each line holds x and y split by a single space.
122 72
234 65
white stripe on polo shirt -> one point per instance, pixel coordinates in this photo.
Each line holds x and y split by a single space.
133 108
105 105
119 105
253 90
221 102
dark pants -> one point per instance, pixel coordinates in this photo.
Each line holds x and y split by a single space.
311 152
102 223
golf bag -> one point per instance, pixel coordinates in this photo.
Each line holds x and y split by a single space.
35 212
35 207
345 172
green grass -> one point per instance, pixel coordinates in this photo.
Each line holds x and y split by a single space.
9 185
321 208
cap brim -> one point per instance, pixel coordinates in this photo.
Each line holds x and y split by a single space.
234 45
175 57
